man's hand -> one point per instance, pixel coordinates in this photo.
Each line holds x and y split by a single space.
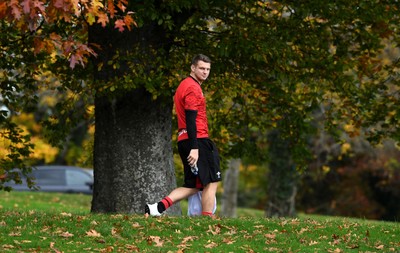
193 157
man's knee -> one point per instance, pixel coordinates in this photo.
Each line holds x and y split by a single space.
211 187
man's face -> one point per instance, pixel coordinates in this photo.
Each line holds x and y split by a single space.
201 70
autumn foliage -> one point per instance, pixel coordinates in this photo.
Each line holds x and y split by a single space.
31 17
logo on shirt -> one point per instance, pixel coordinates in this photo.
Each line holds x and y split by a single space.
219 174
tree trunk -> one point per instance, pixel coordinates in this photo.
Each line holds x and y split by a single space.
132 153
231 180
282 178
133 160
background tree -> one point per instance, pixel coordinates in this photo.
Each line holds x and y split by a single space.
37 38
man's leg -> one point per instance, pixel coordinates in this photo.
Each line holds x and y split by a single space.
176 195
181 193
208 198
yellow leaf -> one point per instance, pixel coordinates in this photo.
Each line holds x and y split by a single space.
90 18
326 169
345 148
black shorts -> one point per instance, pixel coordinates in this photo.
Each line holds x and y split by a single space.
208 163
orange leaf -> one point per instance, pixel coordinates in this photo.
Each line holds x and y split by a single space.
129 22
15 9
102 19
119 23
27 6
3 9
40 5
111 8
121 6
38 45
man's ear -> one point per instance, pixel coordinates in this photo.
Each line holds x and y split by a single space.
192 67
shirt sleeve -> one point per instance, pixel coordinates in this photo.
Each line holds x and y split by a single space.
191 128
192 102
192 99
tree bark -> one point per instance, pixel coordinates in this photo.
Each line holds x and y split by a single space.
133 159
231 181
132 153
282 178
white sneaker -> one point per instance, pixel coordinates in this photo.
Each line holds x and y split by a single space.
152 209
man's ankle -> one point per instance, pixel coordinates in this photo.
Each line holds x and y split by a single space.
207 214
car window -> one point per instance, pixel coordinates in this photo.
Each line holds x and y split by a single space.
49 177
75 177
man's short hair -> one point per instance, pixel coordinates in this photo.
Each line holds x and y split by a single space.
200 57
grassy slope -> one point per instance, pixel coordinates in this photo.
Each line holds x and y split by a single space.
40 222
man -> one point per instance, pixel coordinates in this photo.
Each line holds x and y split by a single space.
198 153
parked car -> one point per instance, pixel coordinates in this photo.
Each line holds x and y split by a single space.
58 178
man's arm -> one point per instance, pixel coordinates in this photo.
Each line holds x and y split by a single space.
192 134
191 128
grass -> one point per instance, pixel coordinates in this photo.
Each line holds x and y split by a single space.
44 222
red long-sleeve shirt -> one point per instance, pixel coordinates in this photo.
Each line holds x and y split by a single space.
189 96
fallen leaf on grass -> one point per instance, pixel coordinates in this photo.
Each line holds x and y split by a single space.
16 234
215 230
54 249
155 239
295 221
270 236
93 233
337 250
302 230
184 244
188 238
228 241
23 241
66 234
132 248
352 246
115 231
107 249
379 247
101 241
136 225
211 245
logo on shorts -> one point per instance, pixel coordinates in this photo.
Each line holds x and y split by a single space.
219 174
